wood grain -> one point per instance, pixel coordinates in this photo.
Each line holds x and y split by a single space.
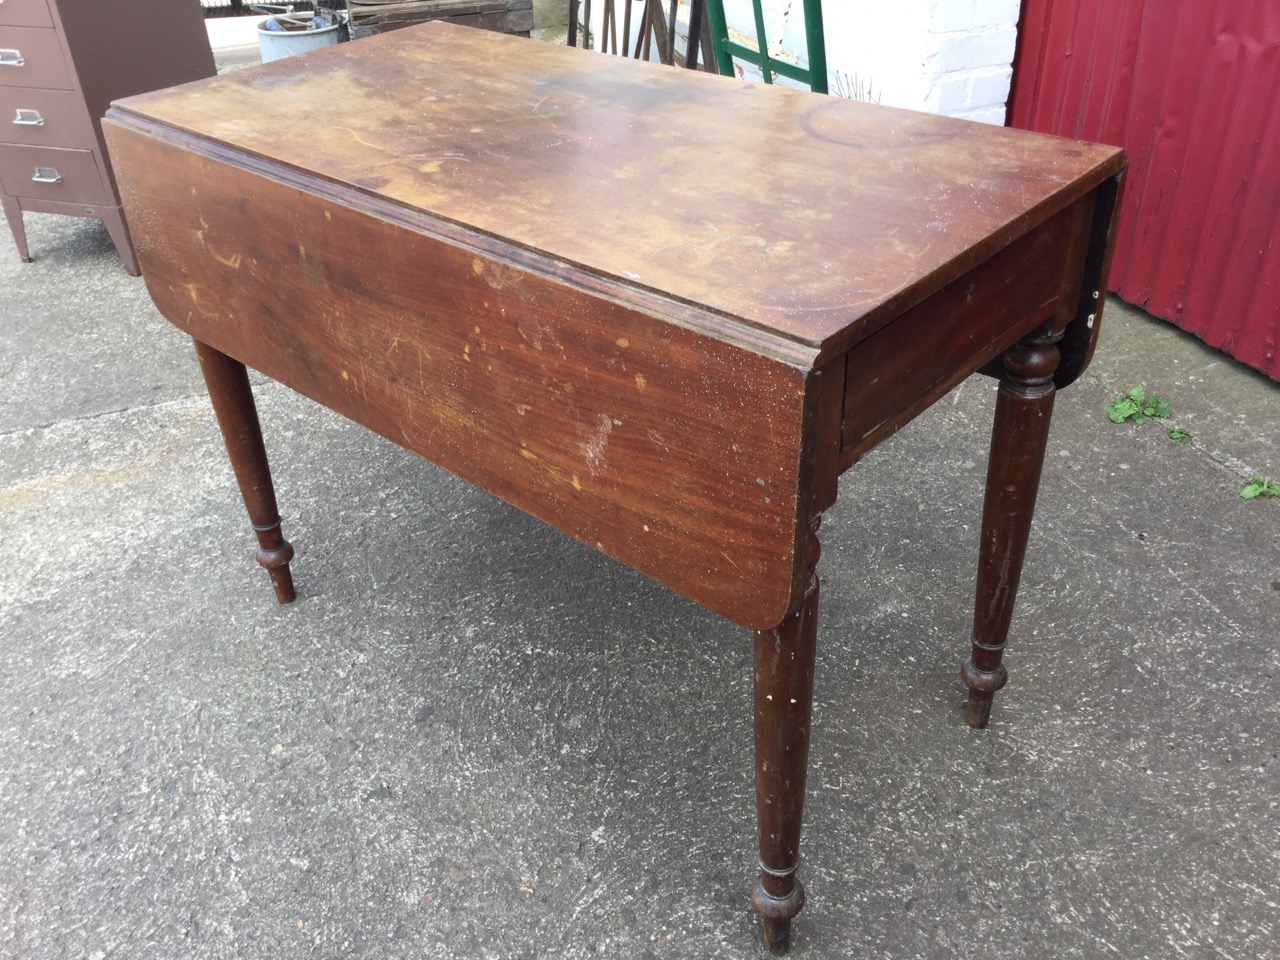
593 161
676 453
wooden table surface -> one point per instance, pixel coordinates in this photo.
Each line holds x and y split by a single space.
659 309
810 218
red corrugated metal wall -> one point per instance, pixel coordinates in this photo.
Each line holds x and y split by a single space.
1191 89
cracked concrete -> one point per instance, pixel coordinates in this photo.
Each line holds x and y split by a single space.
473 737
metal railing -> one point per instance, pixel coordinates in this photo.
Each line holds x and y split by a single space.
225 8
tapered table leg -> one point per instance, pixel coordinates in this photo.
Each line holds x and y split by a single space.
1024 406
232 399
784 659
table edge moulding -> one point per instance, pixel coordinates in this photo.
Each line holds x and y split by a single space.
675 368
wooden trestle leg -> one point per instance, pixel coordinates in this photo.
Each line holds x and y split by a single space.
784 659
1019 436
232 399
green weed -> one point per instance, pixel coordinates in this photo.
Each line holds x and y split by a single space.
1260 487
1137 406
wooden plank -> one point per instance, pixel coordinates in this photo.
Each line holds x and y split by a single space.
445 8
371 17
517 24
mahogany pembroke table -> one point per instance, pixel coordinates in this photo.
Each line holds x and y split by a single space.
658 309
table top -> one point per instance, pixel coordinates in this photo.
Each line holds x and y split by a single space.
812 218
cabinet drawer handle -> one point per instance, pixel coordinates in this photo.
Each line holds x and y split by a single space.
11 58
28 118
47 175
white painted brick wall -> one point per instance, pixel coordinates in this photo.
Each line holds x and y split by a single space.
945 56
994 13
965 51
989 87
955 16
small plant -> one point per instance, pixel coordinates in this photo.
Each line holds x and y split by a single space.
1179 435
1260 487
1137 406
855 88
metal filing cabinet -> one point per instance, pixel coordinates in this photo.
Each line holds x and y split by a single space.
61 63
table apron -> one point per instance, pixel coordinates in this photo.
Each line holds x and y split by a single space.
905 366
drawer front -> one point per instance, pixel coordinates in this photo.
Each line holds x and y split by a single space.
901 369
32 57
47 173
24 13
44 118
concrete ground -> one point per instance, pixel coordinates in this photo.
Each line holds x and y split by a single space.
473 737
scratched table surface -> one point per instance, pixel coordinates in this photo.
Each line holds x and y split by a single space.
702 189
661 311
658 267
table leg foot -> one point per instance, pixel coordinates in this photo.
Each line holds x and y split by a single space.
273 554
1024 406
777 914
982 685
232 399
784 658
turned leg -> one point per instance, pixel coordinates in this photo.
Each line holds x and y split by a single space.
1024 405
232 399
13 213
783 705
113 220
